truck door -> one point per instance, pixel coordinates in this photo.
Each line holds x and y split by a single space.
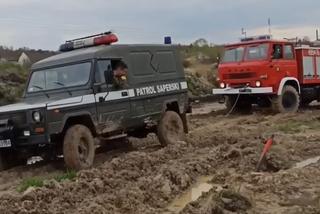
283 61
112 101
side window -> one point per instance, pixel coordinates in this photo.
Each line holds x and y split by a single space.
277 52
288 52
166 62
141 64
102 67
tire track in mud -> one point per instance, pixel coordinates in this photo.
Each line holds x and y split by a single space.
149 178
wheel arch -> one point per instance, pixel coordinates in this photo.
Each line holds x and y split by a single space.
289 81
83 118
173 105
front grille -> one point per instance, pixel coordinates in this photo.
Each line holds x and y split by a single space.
234 76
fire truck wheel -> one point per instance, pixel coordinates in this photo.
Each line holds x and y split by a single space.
230 101
170 128
288 102
243 105
78 148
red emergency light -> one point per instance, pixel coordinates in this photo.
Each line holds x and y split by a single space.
89 41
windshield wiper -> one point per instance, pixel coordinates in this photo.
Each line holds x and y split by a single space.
64 87
41 90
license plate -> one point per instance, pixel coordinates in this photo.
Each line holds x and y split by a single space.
5 143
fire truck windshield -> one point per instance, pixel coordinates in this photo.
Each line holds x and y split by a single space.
246 53
233 55
257 52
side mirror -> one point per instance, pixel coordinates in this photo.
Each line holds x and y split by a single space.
108 74
218 59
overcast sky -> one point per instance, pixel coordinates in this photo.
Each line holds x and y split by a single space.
45 24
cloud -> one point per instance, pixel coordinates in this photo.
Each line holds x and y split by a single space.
281 32
45 23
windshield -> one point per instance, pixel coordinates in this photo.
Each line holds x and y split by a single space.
257 52
233 55
60 77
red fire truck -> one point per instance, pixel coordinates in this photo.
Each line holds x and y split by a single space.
270 73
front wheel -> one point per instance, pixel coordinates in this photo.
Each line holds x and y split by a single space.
287 102
170 128
78 148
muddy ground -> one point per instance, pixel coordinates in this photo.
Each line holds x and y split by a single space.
212 172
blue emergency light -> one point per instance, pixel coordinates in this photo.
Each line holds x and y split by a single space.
167 40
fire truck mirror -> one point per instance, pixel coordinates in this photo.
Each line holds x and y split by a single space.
218 60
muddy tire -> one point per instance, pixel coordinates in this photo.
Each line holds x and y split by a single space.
287 102
170 129
229 102
78 148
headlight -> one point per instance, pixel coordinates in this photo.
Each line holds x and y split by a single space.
36 116
258 84
222 85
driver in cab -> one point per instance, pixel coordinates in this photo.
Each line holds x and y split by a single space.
120 73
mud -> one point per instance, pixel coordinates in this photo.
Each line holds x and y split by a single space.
151 179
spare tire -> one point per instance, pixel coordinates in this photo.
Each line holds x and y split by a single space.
287 102
78 148
170 128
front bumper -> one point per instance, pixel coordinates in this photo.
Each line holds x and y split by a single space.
8 132
247 90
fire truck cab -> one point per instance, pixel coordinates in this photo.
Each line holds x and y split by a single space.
270 73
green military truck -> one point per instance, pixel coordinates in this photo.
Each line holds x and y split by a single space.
78 96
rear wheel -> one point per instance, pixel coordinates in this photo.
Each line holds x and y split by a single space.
78 148
170 128
287 102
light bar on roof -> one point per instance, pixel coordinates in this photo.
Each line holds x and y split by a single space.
254 38
89 41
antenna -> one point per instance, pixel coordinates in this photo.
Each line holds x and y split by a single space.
244 32
269 26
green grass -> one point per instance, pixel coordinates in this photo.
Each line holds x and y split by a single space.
30 182
292 127
39 182
69 175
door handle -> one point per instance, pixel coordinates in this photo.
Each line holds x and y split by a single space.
124 94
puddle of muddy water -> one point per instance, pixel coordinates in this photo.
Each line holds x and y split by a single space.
194 193
307 162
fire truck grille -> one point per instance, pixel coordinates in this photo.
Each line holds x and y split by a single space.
239 76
